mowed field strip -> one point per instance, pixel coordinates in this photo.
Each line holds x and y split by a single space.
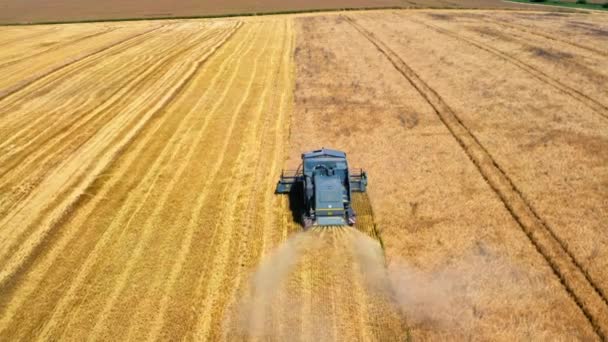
138 162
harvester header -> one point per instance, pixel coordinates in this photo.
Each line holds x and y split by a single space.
326 183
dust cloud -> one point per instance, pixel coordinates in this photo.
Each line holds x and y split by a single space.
445 297
442 298
423 297
267 296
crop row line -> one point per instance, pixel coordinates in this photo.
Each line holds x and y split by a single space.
128 213
4 93
103 205
19 261
99 117
31 36
576 283
56 47
61 140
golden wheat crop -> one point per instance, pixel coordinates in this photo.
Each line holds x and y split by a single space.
138 163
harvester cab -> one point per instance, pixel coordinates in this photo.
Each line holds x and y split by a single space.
325 182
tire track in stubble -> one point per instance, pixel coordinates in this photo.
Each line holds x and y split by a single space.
526 39
584 99
71 138
555 236
49 154
99 200
88 173
573 278
6 92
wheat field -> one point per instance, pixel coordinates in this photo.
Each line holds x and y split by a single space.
138 162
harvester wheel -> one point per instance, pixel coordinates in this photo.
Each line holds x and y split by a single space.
307 222
352 218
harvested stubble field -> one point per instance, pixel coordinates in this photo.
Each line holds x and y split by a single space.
138 163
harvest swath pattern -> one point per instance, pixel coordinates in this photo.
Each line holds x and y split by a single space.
20 68
140 176
190 114
48 152
138 163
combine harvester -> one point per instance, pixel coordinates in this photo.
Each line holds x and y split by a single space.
326 183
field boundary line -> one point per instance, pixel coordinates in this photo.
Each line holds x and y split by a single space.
598 107
210 16
571 8
573 278
286 12
25 83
